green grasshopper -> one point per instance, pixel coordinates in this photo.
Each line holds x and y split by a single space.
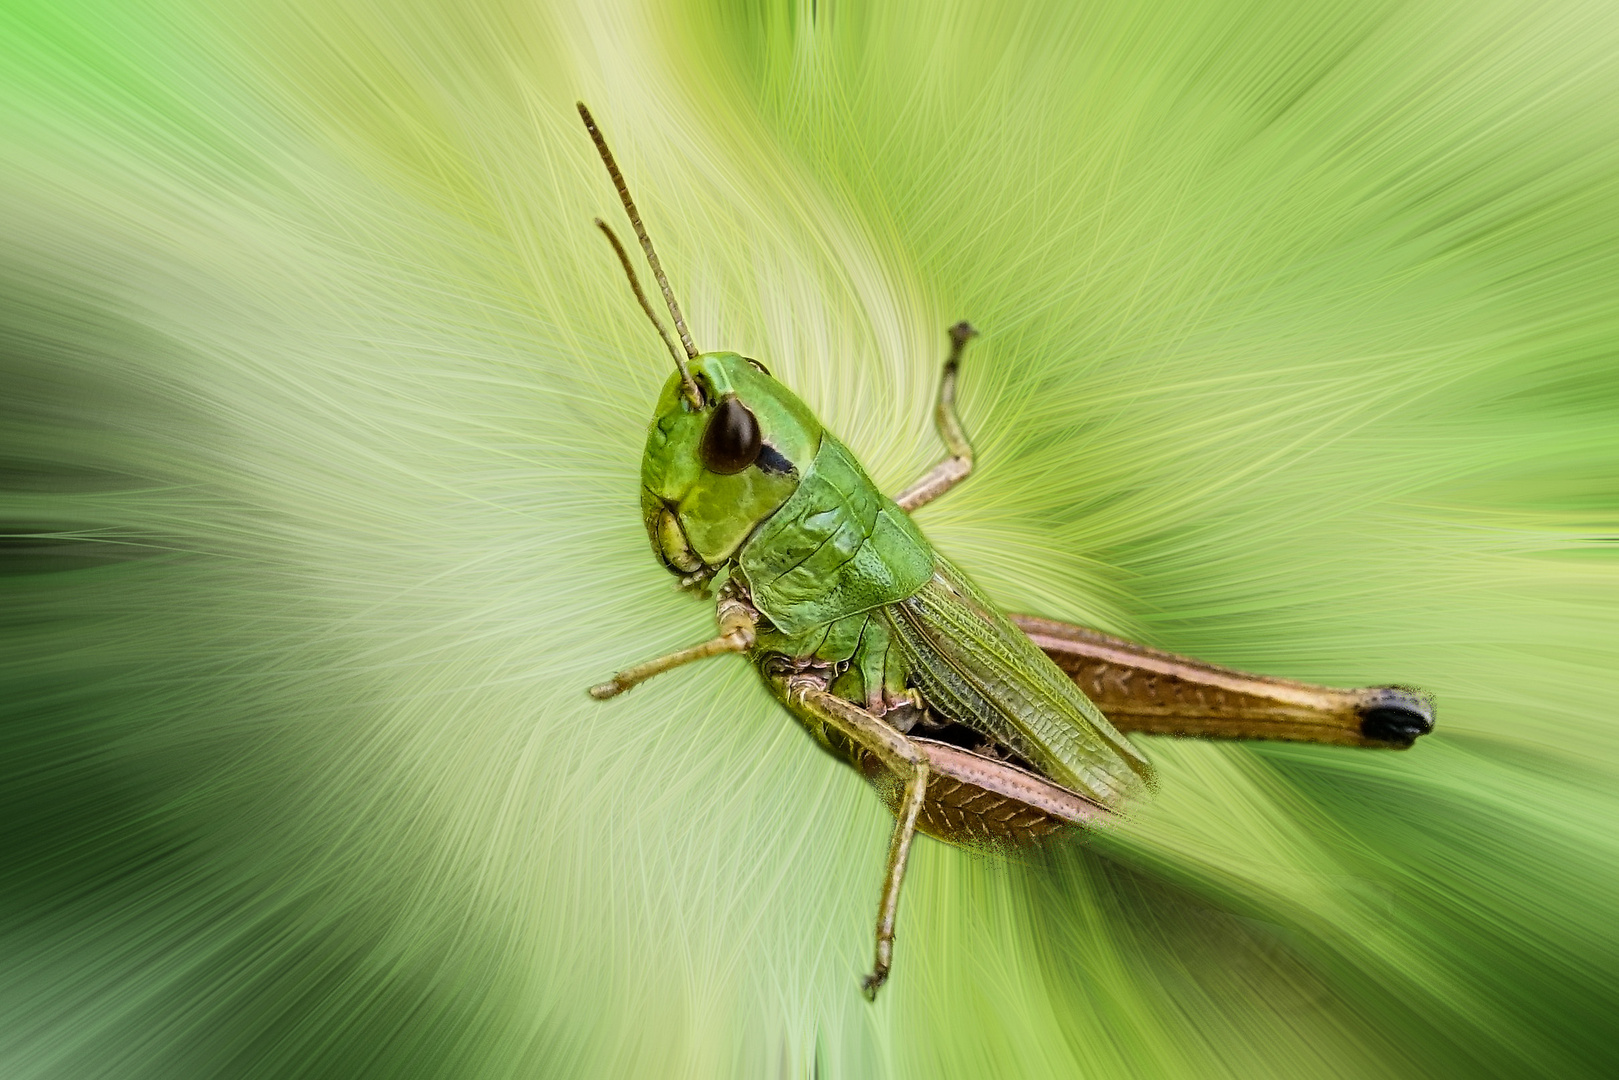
975 727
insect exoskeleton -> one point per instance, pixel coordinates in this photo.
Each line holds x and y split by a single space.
887 654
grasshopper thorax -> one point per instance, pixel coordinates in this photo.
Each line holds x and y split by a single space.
712 472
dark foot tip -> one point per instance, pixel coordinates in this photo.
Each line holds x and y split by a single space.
870 983
963 331
1396 716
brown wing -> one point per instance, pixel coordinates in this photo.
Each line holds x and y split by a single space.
1158 693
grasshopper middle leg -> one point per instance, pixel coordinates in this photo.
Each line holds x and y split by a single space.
955 468
902 757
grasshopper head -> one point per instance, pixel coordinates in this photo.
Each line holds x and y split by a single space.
728 443
713 472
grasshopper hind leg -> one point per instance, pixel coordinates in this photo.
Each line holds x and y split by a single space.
903 758
899 849
1146 690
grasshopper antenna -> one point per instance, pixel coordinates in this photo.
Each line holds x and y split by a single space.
646 305
646 246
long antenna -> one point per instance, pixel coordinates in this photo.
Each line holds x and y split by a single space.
640 232
646 305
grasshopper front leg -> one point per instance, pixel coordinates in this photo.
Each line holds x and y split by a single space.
738 628
903 758
955 468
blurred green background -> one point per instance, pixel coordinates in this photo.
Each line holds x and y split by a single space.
321 417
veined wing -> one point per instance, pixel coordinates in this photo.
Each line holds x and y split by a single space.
975 667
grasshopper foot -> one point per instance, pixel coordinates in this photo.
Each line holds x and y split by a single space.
879 964
960 334
869 984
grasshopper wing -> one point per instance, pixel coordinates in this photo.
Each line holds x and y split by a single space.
976 668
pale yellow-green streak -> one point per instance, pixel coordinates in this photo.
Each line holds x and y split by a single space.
320 423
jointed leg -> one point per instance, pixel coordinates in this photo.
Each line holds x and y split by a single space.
953 469
736 636
1158 693
903 758
899 850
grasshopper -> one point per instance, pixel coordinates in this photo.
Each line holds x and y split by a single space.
975 727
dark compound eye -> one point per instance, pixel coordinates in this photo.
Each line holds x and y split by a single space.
732 441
